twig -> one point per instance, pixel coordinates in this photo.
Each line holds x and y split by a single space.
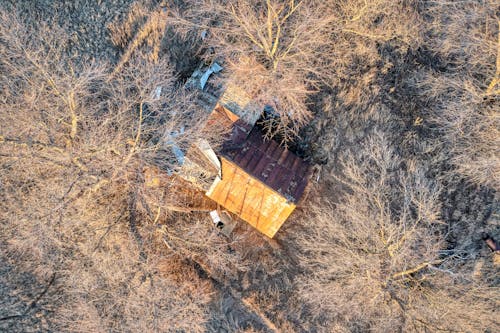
108 230
496 78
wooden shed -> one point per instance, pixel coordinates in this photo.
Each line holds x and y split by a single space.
256 179
259 180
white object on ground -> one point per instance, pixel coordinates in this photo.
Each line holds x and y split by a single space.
176 150
157 93
215 217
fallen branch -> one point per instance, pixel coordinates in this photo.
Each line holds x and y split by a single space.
416 269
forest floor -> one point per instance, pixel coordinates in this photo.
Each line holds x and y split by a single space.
257 298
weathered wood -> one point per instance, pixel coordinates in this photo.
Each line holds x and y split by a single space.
250 199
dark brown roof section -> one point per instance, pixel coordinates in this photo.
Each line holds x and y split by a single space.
236 129
267 161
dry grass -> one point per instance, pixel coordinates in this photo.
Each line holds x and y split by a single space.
149 35
123 31
465 100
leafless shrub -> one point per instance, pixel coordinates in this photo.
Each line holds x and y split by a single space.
470 124
465 98
465 34
374 259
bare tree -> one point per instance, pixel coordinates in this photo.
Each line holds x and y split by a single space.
74 141
281 52
465 98
272 49
376 261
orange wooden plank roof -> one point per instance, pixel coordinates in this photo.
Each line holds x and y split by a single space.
249 198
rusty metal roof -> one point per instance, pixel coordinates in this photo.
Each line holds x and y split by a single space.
274 165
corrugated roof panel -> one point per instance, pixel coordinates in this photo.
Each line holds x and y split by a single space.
244 156
276 152
277 170
272 164
261 166
254 160
283 156
267 172
271 147
289 160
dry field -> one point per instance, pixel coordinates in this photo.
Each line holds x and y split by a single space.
396 102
